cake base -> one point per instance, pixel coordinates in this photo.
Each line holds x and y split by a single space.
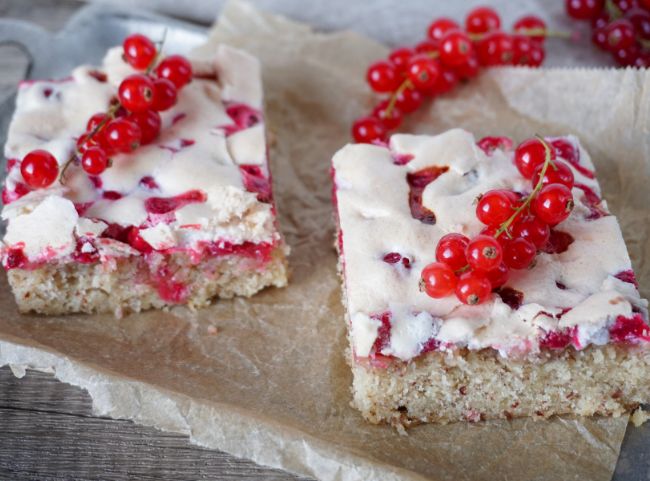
132 284
472 386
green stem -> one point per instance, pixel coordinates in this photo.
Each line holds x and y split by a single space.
393 99
540 183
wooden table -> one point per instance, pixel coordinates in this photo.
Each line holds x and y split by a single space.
47 431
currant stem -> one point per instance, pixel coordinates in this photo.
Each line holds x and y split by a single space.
156 57
540 183
393 98
528 32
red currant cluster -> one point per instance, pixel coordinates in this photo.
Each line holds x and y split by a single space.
620 27
132 118
517 227
446 57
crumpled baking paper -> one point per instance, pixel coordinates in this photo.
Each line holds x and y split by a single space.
266 378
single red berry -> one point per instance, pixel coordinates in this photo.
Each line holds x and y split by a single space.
599 38
423 72
561 174
390 121
628 56
399 58
496 48
164 94
94 161
644 4
427 47
437 280
484 253
382 77
149 123
446 82
640 20
536 55
123 135
177 69
136 93
473 288
440 27
625 5
482 20
601 20
529 24
496 206
96 120
642 61
451 250
368 130
469 69
85 141
519 253
526 51
490 144
455 48
408 100
499 276
39 168
139 51
533 230
529 154
620 35
584 9
553 204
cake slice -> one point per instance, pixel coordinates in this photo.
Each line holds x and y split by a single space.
182 220
567 335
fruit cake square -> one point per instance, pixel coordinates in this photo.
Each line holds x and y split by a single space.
141 183
483 282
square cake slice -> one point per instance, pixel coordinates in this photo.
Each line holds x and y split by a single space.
567 335
184 219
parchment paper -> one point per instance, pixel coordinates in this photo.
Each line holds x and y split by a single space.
265 378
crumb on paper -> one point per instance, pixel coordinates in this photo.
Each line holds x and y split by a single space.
212 330
639 417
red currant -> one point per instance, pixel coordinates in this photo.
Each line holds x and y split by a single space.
473 288
599 38
553 204
496 206
423 72
536 55
620 35
123 135
139 51
640 20
136 93
484 253
399 58
84 141
446 82
496 48
94 160
627 56
177 69
469 69
584 9
482 20
455 48
149 123
427 47
601 20
437 280
440 27
164 94
519 253
561 174
451 250
368 130
382 77
526 51
408 100
529 154
533 230
39 168
625 5
499 276
491 231
531 23
490 144
96 120
390 121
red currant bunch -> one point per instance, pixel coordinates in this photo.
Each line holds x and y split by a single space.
620 27
450 54
131 120
516 226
